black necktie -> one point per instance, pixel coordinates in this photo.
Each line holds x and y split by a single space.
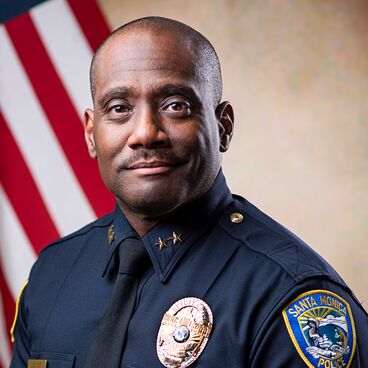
107 346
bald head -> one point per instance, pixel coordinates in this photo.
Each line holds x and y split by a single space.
202 53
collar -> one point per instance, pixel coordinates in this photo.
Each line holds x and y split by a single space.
169 240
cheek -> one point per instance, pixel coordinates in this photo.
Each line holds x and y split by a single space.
207 141
188 136
109 142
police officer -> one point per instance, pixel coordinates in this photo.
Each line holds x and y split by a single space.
214 281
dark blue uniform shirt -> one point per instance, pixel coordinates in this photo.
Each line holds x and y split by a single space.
247 271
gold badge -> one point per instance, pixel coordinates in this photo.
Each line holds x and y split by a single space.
184 332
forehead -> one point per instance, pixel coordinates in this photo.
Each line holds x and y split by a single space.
144 58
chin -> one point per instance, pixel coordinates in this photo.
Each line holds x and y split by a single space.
153 207
153 201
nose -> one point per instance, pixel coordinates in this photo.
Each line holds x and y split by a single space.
148 130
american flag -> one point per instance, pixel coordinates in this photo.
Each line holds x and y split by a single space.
48 184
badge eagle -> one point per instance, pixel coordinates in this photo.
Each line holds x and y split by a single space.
321 326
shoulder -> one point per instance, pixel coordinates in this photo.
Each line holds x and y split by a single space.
57 258
264 237
81 234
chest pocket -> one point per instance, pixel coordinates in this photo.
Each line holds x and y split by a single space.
54 360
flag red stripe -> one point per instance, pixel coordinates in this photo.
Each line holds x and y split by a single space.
59 109
91 21
8 302
23 193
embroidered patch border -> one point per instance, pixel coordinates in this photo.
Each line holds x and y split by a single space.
321 327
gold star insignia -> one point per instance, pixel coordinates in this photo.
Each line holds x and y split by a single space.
111 234
176 238
161 243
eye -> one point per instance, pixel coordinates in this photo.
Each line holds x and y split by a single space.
178 108
118 110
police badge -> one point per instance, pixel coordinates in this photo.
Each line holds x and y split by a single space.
321 326
184 332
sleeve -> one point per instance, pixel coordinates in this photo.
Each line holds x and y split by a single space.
317 324
19 333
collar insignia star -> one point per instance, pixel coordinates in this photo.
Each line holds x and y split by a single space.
111 234
176 238
161 243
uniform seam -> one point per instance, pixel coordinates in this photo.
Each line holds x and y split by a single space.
83 231
291 243
271 230
269 224
229 233
246 243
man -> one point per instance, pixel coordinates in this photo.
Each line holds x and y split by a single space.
217 283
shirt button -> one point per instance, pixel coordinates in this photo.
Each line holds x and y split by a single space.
236 218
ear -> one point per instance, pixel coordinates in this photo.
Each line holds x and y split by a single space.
88 120
225 118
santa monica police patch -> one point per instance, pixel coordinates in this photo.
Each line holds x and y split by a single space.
322 329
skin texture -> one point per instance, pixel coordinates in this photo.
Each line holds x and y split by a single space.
154 129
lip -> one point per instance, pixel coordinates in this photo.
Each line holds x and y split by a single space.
152 167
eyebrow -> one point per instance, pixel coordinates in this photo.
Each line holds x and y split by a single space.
168 89
177 89
118 92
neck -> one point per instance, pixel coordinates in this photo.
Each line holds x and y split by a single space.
142 223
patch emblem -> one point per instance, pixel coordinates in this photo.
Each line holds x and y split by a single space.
321 326
184 332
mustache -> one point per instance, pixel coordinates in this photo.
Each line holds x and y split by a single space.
154 155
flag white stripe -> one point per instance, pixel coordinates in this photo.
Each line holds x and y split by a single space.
67 48
16 252
44 156
5 354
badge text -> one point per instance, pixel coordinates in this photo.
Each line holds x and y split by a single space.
332 302
326 363
302 306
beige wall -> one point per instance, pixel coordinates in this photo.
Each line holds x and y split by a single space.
297 74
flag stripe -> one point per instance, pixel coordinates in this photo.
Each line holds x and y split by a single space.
4 338
16 253
8 302
33 216
67 47
48 184
58 108
91 21
60 190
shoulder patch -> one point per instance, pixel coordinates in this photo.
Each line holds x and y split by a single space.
321 326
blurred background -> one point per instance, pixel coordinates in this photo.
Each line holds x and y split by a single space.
296 73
